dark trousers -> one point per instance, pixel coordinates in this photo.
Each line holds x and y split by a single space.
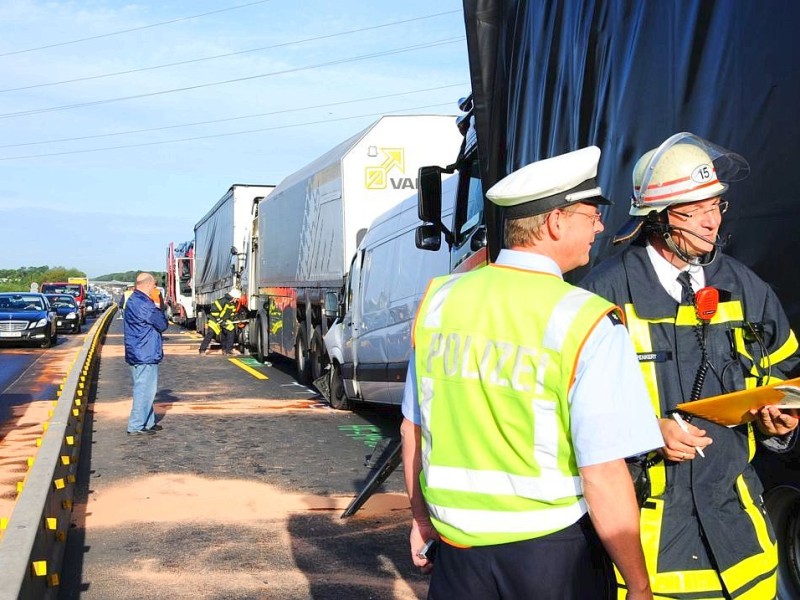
226 338
567 565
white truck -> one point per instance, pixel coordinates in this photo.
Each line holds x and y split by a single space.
179 283
221 239
310 225
369 344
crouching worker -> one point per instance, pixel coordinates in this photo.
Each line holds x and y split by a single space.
221 323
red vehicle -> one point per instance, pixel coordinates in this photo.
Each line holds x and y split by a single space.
77 290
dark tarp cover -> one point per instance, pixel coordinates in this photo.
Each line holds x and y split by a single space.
550 76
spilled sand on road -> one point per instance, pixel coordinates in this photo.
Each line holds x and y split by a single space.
261 514
120 409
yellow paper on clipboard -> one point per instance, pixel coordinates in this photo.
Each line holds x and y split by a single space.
734 408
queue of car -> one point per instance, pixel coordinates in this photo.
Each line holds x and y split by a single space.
38 317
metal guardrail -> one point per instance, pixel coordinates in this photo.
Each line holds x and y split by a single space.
32 546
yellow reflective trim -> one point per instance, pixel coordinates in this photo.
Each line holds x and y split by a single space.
686 316
763 590
650 520
639 331
658 478
751 442
676 582
754 566
789 347
727 312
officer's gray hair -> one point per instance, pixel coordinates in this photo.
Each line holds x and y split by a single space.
524 231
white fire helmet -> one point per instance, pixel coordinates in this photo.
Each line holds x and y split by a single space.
235 294
685 168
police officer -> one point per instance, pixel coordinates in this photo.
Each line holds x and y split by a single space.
704 527
221 322
521 402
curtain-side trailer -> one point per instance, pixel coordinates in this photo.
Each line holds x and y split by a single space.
309 228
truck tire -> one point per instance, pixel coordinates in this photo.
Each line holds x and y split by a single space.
301 358
339 399
783 505
258 348
200 323
318 357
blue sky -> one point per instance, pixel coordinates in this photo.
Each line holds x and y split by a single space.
113 200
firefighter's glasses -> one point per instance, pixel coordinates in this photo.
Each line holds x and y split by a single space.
722 207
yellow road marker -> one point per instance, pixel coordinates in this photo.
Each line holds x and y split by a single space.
251 370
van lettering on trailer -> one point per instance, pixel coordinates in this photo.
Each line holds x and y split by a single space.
402 183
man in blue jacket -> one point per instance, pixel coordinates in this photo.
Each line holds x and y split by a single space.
144 323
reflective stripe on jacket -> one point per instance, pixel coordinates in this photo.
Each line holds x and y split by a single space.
222 315
496 352
704 528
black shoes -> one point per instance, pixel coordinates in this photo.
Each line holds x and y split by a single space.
155 428
151 431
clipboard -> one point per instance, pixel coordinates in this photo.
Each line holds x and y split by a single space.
734 408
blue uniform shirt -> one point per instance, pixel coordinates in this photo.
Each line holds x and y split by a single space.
610 412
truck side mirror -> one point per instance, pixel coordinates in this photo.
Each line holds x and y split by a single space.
429 194
331 308
428 237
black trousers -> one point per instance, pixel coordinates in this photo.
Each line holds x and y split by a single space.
570 564
226 338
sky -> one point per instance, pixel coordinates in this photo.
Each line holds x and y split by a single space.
123 123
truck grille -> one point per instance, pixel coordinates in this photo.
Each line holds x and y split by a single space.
13 325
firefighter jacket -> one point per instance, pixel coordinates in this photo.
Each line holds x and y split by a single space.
704 527
502 467
222 315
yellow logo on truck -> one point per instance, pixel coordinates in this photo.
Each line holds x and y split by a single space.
377 178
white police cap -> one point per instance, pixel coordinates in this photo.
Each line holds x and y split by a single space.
549 184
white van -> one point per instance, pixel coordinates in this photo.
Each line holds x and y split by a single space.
370 343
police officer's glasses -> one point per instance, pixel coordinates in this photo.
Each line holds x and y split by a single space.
722 207
596 217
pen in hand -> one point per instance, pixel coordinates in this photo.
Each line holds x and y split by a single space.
682 424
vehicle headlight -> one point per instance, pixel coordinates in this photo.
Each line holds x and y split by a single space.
71 315
40 323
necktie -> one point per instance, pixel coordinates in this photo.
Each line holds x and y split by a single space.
687 293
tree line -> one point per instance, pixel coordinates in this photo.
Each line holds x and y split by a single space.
16 280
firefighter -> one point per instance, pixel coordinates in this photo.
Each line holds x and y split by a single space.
221 323
521 403
704 526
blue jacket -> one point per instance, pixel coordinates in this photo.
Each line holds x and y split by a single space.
144 323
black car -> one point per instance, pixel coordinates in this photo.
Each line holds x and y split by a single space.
27 317
67 310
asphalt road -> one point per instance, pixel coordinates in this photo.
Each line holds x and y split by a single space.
239 496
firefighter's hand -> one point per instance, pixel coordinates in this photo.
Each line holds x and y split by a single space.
771 420
679 445
422 530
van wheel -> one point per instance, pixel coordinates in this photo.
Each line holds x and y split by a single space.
783 505
301 359
339 399
317 355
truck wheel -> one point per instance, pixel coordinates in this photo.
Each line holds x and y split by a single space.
301 359
261 356
200 323
317 355
339 399
783 505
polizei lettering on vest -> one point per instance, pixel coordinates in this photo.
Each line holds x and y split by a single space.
496 362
